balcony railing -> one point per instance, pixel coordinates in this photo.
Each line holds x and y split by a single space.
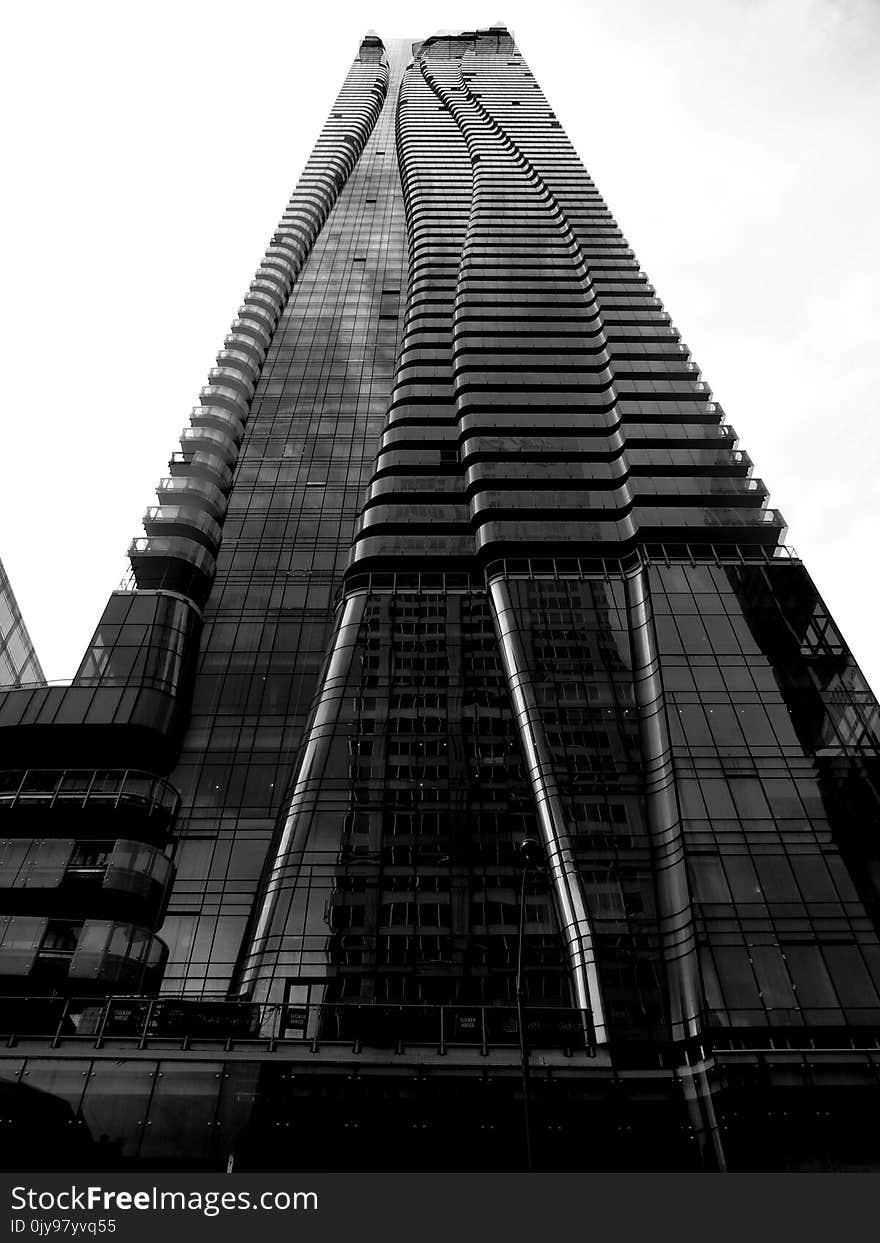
200 465
180 1022
357 1026
183 520
191 490
124 789
172 563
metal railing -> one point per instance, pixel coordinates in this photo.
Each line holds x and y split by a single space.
141 1020
87 787
168 1023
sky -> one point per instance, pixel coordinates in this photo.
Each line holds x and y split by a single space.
149 151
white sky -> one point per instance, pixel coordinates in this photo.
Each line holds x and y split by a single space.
149 151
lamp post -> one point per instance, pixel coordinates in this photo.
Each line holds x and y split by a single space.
530 856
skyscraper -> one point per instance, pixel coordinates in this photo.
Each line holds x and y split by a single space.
468 775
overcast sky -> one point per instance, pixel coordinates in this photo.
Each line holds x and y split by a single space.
149 151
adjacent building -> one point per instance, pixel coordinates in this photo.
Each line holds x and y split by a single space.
472 778
19 664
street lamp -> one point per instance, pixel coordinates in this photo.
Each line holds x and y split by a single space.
530 856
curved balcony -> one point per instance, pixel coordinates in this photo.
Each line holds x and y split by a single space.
277 271
261 310
95 952
117 953
220 419
284 259
201 464
194 492
262 296
255 315
298 229
269 308
124 954
274 272
248 346
84 877
291 244
279 252
227 398
272 283
209 440
172 563
249 333
277 266
235 375
140 802
138 870
182 520
232 360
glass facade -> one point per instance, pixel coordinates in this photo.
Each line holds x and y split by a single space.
458 553
18 660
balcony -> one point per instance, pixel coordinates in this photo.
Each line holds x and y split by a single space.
92 954
708 523
140 803
264 307
483 1029
226 421
135 869
280 259
690 488
232 374
251 328
84 877
172 563
193 492
249 345
291 245
192 524
254 313
201 463
227 397
234 360
271 285
116 953
207 440
276 274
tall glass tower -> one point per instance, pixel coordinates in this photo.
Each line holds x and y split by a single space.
468 775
